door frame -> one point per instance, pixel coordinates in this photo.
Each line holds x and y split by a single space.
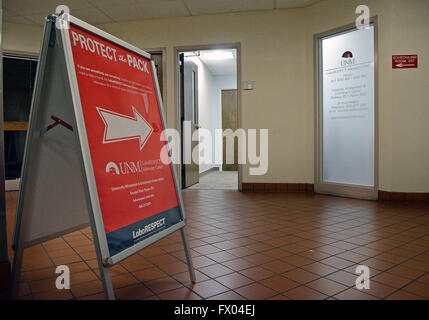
163 52
339 189
177 50
190 69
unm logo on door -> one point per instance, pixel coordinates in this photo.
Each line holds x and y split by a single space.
347 59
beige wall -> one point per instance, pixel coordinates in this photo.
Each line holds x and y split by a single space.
277 52
403 28
21 38
283 114
410 102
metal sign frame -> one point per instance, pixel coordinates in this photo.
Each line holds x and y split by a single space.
93 204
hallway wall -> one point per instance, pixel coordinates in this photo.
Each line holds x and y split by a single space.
205 101
277 53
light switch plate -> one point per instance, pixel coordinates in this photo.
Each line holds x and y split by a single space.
248 85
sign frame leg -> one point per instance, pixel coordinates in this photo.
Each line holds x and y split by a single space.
188 255
106 279
16 269
20 222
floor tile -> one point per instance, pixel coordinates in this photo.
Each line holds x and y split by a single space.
179 294
54 295
424 279
404 295
149 274
345 278
133 292
87 288
391 280
238 264
259 258
261 246
336 262
98 296
406 272
215 270
234 280
123 280
319 269
84 276
279 283
185 279
297 260
229 295
202 261
301 276
379 290
208 288
354 294
278 266
256 292
41 274
257 273
43 285
174 268
305 293
418 288
221 256
163 284
207 249
326 286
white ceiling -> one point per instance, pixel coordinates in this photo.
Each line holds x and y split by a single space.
107 11
220 67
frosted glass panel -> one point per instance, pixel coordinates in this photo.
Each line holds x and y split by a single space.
348 107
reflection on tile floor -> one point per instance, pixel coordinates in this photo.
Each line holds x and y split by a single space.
254 246
217 180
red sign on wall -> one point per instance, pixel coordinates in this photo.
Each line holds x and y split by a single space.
123 124
404 61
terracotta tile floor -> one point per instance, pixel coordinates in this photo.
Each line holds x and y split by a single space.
254 246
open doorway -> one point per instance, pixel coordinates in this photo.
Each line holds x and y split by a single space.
208 100
159 58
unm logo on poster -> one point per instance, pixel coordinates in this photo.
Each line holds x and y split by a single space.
112 168
347 59
127 167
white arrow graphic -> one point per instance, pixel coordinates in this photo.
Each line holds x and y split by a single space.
400 65
119 127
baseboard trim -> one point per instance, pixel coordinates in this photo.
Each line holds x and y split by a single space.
403 196
309 188
278 187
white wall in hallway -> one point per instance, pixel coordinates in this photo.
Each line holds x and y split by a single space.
210 105
205 101
221 83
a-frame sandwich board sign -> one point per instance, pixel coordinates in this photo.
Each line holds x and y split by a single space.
95 150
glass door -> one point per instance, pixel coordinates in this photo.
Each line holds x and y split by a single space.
346 113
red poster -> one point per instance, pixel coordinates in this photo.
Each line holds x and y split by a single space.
404 61
123 124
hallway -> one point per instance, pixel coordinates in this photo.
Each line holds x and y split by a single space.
217 180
